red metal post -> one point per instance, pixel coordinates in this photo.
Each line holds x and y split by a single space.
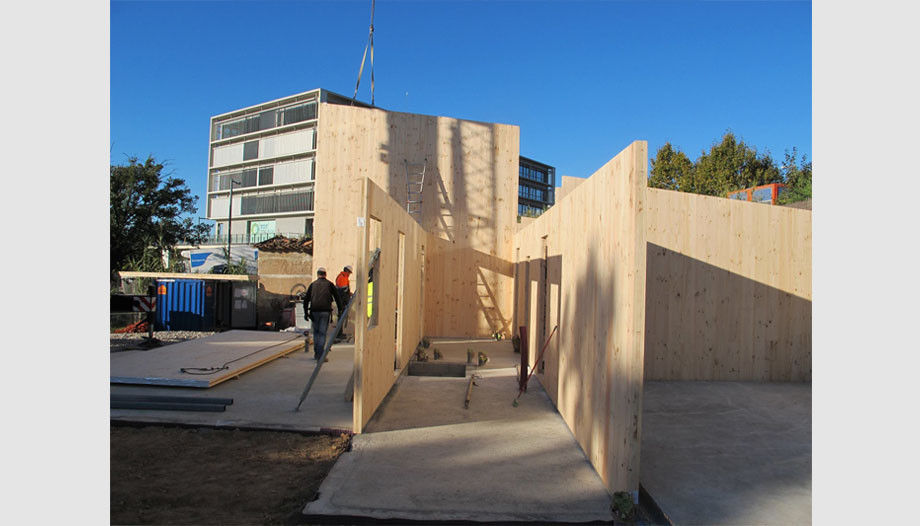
525 353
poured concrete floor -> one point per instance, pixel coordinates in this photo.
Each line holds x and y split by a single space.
265 397
425 457
728 452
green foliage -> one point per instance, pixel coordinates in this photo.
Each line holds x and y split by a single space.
729 165
240 267
145 209
671 169
797 178
732 165
151 260
623 506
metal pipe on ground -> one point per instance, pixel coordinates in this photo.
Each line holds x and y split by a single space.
171 399
167 406
469 391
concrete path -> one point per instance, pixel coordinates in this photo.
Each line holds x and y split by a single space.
427 458
728 452
265 397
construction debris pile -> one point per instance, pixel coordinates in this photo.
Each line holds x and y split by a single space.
287 244
129 341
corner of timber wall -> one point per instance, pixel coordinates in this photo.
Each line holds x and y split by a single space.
379 356
581 266
469 205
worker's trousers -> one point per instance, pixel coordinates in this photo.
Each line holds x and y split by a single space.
320 323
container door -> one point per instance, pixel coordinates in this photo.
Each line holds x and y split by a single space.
244 305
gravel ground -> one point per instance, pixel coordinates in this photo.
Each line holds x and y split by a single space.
134 340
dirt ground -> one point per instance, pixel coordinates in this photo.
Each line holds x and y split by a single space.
171 475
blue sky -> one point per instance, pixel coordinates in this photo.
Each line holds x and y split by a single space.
582 79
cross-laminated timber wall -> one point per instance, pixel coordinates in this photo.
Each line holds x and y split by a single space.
379 356
469 205
728 289
590 247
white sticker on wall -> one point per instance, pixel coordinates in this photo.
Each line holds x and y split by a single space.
360 222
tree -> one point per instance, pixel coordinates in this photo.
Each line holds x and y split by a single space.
797 179
671 169
145 213
732 165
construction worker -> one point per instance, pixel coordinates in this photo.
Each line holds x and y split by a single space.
343 285
317 306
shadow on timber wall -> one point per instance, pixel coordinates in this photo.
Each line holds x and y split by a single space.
706 323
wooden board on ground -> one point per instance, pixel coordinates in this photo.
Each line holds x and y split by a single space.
238 351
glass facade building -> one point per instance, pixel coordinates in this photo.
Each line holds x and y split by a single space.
536 187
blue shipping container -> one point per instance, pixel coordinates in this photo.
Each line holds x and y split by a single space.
185 305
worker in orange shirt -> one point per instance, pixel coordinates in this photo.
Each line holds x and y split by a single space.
343 285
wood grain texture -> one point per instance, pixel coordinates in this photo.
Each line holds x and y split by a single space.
728 290
469 205
592 247
239 350
378 359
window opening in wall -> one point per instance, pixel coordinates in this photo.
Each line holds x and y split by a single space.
308 227
400 278
373 279
250 150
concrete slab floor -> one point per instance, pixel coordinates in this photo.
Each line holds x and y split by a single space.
426 458
265 397
728 452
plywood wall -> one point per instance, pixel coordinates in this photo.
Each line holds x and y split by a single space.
469 205
728 289
378 358
581 266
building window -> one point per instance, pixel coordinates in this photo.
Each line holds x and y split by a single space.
250 150
303 112
277 203
266 175
264 120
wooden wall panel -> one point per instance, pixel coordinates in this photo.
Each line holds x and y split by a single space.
378 361
592 246
469 205
728 289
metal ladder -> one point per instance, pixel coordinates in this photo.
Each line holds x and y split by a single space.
415 182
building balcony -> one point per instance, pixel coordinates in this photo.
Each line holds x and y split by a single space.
237 239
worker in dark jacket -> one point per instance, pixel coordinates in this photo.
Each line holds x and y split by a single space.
317 306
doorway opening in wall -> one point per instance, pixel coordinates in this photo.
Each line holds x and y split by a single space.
400 288
544 300
373 278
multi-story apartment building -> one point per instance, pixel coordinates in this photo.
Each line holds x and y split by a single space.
536 187
266 153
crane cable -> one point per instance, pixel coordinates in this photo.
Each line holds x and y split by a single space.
370 44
